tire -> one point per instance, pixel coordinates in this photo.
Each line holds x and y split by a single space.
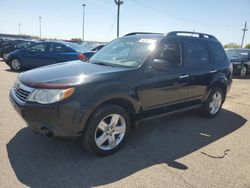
214 102
100 136
15 64
243 71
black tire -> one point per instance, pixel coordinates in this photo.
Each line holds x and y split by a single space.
89 136
13 67
206 110
243 71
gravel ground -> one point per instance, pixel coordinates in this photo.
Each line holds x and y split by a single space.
182 150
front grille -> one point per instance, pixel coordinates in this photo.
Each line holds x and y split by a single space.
21 94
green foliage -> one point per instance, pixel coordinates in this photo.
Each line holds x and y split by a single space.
247 46
232 45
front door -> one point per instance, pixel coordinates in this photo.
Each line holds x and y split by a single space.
167 85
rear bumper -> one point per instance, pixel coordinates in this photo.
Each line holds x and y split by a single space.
56 121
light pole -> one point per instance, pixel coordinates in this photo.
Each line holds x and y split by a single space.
83 14
118 3
40 26
19 28
244 31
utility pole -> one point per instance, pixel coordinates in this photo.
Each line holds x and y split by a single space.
40 26
244 31
83 15
118 3
19 30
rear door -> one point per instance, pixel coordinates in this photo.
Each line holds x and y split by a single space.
198 67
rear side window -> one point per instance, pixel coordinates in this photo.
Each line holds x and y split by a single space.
57 48
195 53
217 52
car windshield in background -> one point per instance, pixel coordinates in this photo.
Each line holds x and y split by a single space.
92 46
77 47
125 52
237 54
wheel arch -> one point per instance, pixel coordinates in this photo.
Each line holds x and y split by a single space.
219 82
126 102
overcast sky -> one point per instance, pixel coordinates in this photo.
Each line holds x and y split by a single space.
63 18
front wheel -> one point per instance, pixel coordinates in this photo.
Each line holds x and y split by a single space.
106 130
243 71
15 65
213 105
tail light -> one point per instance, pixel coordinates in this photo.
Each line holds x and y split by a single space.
82 57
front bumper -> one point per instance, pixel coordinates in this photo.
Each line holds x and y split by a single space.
61 120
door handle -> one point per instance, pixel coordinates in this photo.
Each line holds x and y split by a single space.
184 76
213 71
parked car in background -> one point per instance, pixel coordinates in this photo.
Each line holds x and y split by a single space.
16 46
240 59
10 42
133 77
45 53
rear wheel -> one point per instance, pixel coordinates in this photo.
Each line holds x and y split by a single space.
15 64
212 106
106 130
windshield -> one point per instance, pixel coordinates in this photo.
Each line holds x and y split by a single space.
77 47
125 52
237 54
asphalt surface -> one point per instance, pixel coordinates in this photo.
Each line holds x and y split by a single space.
182 150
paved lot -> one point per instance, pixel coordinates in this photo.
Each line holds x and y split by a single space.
184 150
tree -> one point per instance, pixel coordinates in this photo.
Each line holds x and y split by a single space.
232 45
247 46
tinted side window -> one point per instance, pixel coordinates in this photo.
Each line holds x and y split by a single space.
195 53
56 48
217 52
170 52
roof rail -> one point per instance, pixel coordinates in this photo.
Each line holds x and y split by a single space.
185 33
140 33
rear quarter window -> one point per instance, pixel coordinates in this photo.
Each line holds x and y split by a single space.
217 52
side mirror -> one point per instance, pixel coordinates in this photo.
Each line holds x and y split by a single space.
160 64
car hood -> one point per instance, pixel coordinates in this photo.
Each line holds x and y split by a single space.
65 74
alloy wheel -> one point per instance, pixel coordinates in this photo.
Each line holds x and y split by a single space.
110 132
215 103
243 71
16 64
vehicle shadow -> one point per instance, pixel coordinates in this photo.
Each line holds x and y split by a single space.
40 162
10 70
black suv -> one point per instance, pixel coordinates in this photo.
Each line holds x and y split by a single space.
137 76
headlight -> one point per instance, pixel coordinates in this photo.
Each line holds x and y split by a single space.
236 63
47 96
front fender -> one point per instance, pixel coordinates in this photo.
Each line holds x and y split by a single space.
104 93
